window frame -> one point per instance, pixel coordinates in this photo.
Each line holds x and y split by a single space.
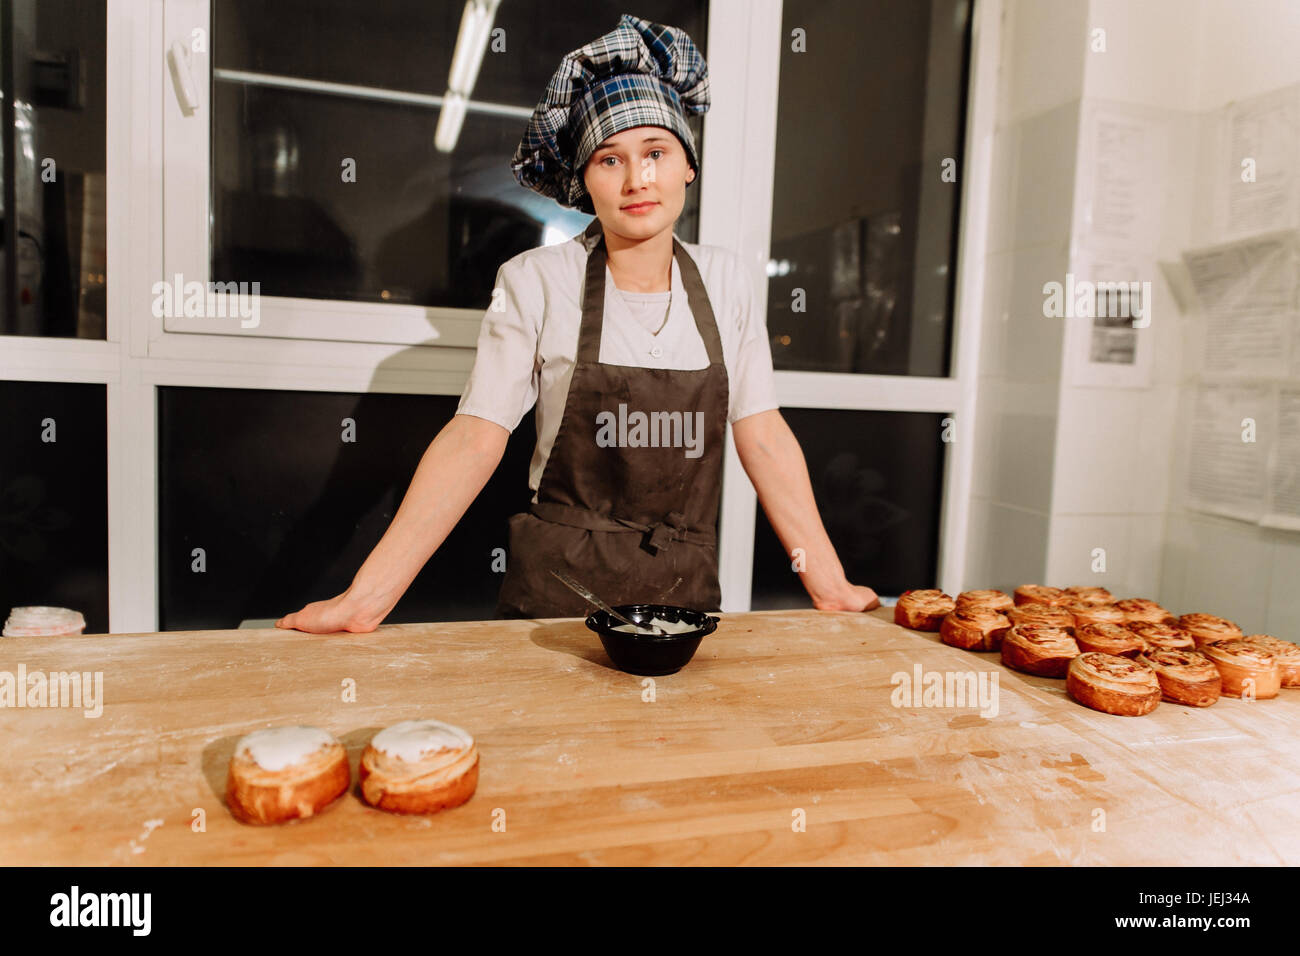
157 193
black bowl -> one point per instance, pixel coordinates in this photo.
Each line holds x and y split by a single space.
651 655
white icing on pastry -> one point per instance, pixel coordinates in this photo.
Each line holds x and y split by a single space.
411 739
41 620
278 747
672 627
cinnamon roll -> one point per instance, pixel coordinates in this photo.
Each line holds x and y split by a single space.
1113 685
1167 637
419 766
285 773
993 600
1186 677
1042 614
1107 638
1140 609
41 620
1286 653
1247 669
1039 594
1037 649
1089 594
1206 628
1094 613
923 610
974 628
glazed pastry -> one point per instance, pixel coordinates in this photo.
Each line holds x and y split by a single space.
1206 628
1286 654
1037 649
1107 638
993 600
923 610
1042 614
1240 662
1038 594
1084 613
1169 637
974 628
1186 677
1113 685
41 620
1140 609
1089 594
419 766
284 773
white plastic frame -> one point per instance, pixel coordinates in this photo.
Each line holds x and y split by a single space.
156 223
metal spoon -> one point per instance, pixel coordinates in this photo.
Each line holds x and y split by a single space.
570 582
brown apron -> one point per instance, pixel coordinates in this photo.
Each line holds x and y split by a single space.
636 525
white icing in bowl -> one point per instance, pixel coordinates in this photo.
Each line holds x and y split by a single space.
411 739
672 627
278 747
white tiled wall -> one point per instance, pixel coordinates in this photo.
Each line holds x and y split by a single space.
1011 542
1115 444
1063 469
1283 610
1028 244
1130 551
1215 564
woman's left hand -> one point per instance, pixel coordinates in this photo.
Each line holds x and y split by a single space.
851 597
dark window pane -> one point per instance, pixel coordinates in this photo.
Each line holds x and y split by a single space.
417 225
863 224
878 481
52 114
286 511
54 499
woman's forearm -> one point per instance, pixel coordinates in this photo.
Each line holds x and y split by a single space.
453 470
776 467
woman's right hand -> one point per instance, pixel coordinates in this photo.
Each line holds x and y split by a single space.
340 613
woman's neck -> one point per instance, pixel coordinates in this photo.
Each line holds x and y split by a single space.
641 265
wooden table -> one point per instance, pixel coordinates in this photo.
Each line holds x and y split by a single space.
782 714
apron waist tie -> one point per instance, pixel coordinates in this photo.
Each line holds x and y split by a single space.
660 533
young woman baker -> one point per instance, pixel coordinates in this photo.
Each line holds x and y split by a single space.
636 349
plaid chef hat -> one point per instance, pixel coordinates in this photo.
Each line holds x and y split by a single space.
638 74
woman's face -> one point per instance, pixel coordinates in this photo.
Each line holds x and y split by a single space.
644 166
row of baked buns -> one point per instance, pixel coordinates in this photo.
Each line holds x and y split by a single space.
286 773
1121 657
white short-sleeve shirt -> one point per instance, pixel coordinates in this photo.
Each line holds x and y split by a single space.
529 338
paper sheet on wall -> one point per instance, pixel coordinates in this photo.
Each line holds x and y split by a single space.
1114 339
1246 293
1255 275
1293 372
1110 345
1226 471
1263 142
1252 480
1284 471
1123 157
1122 189
1247 344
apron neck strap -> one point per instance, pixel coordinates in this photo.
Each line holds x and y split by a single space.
593 299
